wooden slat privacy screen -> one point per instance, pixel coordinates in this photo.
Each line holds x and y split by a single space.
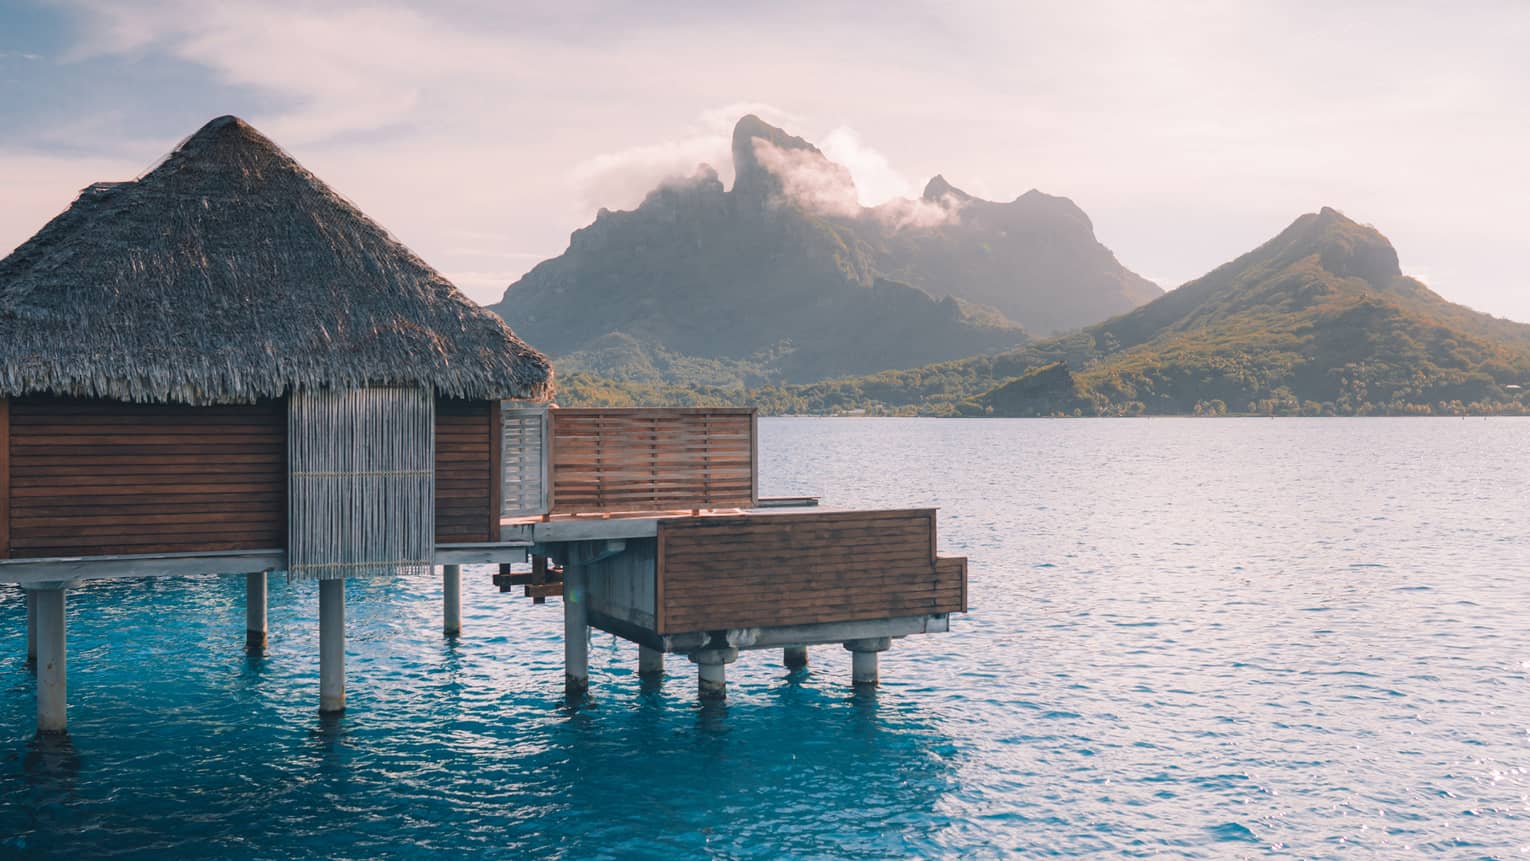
522 464
612 460
96 478
752 571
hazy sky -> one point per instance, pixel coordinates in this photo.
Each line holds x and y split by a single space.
482 133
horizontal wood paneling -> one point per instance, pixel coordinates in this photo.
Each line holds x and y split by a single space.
612 460
465 472
755 571
5 478
94 477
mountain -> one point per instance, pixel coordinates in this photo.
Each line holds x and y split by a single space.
1319 320
786 277
1035 258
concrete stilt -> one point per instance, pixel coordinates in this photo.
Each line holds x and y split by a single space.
331 646
650 662
863 659
576 633
52 663
451 599
712 672
795 657
255 612
31 628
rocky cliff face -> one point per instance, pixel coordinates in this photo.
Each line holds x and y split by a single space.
788 272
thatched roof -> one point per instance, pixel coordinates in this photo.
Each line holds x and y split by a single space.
229 273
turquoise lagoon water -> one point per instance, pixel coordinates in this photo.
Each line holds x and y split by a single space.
1188 638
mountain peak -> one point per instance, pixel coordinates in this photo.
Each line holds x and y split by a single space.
938 189
1345 247
750 176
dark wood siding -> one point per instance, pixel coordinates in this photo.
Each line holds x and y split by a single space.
5 478
96 478
465 473
612 460
795 569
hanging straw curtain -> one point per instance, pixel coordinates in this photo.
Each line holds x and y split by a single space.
361 482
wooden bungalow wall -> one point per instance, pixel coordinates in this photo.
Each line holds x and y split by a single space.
467 471
95 478
757 571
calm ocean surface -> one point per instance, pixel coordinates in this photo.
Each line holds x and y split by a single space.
1188 638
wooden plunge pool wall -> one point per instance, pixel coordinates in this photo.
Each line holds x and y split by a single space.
772 570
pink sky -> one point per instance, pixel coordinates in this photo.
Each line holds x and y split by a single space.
1190 132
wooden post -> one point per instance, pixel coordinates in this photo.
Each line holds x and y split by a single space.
451 599
331 646
712 672
650 662
539 578
795 657
576 632
754 458
52 664
255 613
31 628
863 659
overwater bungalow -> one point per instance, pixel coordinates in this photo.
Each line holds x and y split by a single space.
225 368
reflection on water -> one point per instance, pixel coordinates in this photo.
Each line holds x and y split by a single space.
1190 638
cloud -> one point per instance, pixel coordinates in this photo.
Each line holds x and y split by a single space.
337 69
810 181
875 180
622 178
832 183
916 212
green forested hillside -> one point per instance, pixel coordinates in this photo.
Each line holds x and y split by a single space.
1319 320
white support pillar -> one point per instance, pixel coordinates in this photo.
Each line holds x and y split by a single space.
794 657
863 659
331 646
52 663
650 662
451 599
576 632
31 628
712 672
255 612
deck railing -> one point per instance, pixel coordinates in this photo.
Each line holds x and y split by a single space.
605 461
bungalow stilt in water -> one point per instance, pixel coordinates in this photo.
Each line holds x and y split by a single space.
225 367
